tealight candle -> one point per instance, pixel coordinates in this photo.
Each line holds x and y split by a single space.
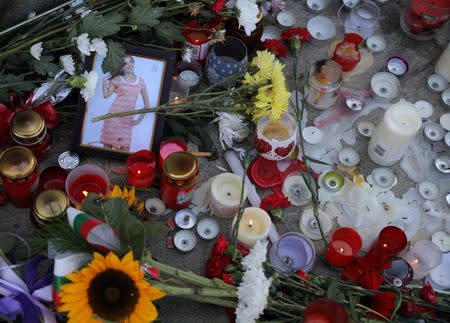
444 120
185 219
324 310
424 109
385 87
155 206
400 274
442 240
141 168
428 190
86 179
344 244
312 135
439 277
348 157
292 252
331 180
68 160
437 83
433 131
185 240
397 65
383 177
310 227
321 28
286 18
295 189
394 133
225 194
423 257
315 6
207 228
376 44
254 225
365 128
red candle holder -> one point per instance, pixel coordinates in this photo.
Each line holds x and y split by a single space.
391 240
346 53
345 243
198 40
52 178
324 310
141 168
84 180
168 147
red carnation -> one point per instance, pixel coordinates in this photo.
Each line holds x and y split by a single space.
216 264
275 46
243 250
296 36
220 246
302 274
274 201
382 303
227 278
427 293
371 279
218 5
407 308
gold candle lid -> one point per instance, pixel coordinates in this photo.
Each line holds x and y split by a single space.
27 124
180 165
17 162
50 204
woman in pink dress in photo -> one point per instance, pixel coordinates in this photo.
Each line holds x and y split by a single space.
117 132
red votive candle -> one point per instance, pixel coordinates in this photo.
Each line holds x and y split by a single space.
168 147
345 243
84 180
141 168
324 310
198 40
391 240
52 178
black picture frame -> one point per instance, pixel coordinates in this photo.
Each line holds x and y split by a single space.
149 65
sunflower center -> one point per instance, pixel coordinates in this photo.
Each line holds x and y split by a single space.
113 295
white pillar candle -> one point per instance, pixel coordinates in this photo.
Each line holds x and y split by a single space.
225 194
254 225
442 66
394 133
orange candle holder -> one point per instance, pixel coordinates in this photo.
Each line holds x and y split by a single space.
345 243
141 168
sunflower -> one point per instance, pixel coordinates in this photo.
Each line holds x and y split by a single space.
109 289
128 196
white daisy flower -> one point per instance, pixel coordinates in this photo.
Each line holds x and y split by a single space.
68 64
89 87
99 46
36 50
248 15
83 43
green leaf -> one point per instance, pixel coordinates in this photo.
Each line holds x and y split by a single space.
353 300
7 242
77 81
334 292
44 66
177 127
92 207
36 244
207 143
101 26
277 213
142 2
14 83
144 16
113 61
156 228
168 32
195 139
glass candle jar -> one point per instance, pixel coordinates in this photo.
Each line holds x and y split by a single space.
20 175
324 82
344 244
168 147
141 168
47 205
422 19
423 257
28 130
179 179
198 40
363 19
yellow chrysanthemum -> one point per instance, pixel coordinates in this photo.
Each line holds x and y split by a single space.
109 289
263 60
128 196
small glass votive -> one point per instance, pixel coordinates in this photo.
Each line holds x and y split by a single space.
86 179
207 228
185 219
391 240
276 140
423 257
397 65
293 251
400 274
324 82
185 240
324 310
344 244
385 87
141 168
191 72
178 90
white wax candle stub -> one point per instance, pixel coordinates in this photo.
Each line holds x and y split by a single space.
207 228
434 131
348 157
155 206
365 128
444 120
446 97
185 219
185 240
385 86
439 277
376 43
286 18
321 28
312 135
424 109
442 240
295 189
310 227
225 194
396 66
437 83
190 77
428 190
383 177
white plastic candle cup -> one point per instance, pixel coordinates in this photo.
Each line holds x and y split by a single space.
433 132
286 18
312 135
225 194
322 30
254 226
394 133
383 177
350 3
444 121
309 226
295 189
185 240
365 128
397 65
439 277
446 98
442 240
424 109
437 83
376 44
348 157
428 190
207 228
385 87
423 257
315 6
185 219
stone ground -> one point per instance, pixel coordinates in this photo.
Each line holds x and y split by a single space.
421 56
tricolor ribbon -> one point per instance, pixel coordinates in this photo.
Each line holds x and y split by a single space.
46 109
25 297
97 233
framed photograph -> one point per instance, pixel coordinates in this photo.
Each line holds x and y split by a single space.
143 82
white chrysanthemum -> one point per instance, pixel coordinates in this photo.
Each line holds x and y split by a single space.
83 11
254 288
248 15
83 44
231 126
230 4
186 54
36 50
68 64
99 46
89 87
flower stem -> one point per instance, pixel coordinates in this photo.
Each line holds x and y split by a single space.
172 290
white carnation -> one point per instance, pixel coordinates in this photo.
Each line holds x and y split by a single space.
99 46
248 15
83 43
231 126
36 50
89 87
68 64
256 257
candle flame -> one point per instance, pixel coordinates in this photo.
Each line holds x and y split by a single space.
139 171
85 193
250 223
384 245
341 250
415 261
176 98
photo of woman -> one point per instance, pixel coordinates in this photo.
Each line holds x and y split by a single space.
117 132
